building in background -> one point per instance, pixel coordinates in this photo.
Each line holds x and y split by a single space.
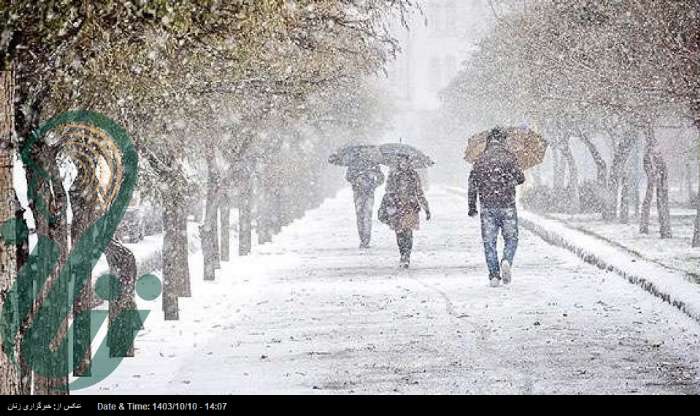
433 49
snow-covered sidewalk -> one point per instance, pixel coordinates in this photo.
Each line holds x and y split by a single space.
671 285
675 253
311 313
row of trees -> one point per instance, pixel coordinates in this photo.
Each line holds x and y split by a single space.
243 99
584 70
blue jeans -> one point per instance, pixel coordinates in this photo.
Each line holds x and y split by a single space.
494 220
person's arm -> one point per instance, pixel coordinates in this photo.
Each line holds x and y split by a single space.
350 175
422 200
516 173
473 193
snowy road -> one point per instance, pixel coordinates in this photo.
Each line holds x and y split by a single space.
313 314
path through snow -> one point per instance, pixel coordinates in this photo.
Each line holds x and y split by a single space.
313 314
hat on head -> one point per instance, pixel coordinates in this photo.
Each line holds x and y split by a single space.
496 136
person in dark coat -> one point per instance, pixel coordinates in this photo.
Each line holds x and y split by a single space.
404 199
365 178
493 179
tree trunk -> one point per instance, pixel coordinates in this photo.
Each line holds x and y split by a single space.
49 284
696 234
662 199
573 185
625 200
601 166
264 217
276 212
225 212
173 280
559 170
601 172
688 179
657 179
650 171
176 269
122 266
658 175
10 375
617 171
208 228
27 297
216 244
245 214
83 215
636 178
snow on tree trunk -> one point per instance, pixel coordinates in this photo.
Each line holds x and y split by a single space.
662 197
601 166
276 212
216 245
181 249
175 273
559 167
264 217
264 212
10 375
688 178
208 228
659 173
225 213
625 200
176 266
696 233
26 373
636 177
657 180
573 185
601 170
122 265
245 214
617 172
650 171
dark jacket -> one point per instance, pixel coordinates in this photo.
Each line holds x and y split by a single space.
494 177
365 179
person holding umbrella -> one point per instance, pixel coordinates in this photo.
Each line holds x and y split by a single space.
493 179
402 204
365 178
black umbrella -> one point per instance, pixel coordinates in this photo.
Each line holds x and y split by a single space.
357 155
392 152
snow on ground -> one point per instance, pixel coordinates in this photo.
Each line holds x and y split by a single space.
311 313
676 252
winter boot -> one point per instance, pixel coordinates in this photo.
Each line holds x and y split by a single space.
494 282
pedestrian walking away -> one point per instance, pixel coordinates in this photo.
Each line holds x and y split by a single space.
492 181
365 179
401 206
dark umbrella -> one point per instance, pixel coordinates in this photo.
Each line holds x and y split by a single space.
357 155
393 151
